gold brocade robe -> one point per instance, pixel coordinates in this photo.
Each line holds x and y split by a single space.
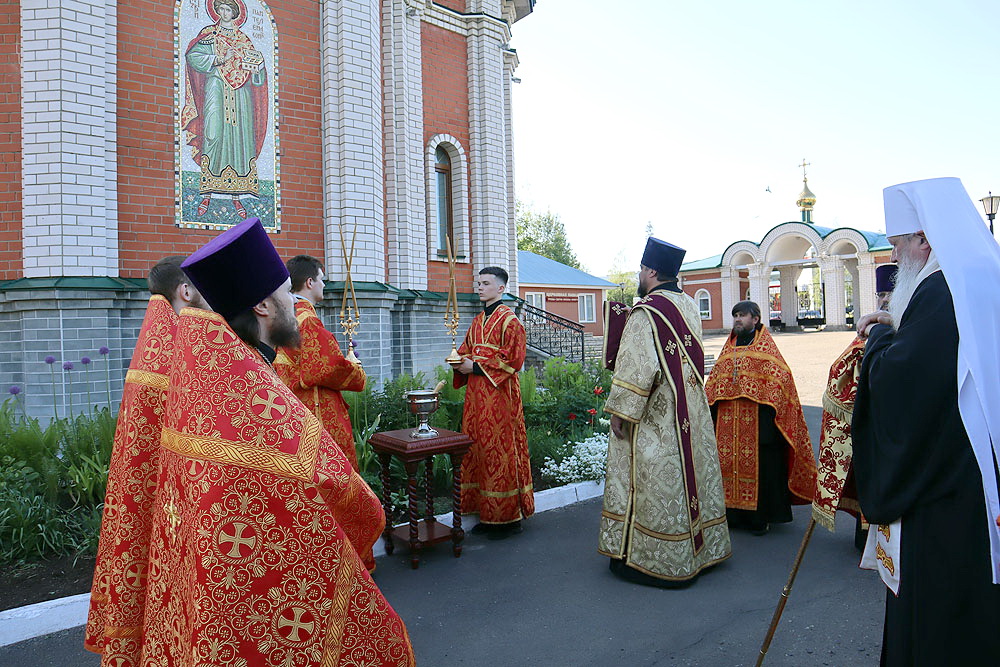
496 473
645 519
257 524
317 372
834 482
117 603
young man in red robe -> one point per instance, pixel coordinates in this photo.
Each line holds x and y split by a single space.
317 371
496 473
117 606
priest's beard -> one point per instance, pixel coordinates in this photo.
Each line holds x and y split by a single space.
907 279
285 330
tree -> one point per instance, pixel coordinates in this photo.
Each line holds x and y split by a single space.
544 234
628 281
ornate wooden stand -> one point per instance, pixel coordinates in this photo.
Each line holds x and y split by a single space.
411 451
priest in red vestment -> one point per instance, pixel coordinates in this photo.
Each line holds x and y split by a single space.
496 473
835 485
764 446
258 516
317 371
117 606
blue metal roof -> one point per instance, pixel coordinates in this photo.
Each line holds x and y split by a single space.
534 269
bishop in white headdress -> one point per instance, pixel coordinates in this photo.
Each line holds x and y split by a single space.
926 431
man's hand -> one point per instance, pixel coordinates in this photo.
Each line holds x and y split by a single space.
618 426
866 323
465 367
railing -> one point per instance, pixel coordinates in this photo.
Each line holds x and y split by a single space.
549 333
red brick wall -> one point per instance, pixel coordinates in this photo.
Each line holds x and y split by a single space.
718 320
446 111
146 135
571 309
457 5
10 141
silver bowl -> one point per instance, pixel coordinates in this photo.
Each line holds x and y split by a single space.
423 403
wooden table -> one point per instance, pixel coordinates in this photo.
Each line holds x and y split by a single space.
411 451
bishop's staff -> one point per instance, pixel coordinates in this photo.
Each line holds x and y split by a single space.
451 315
785 592
350 315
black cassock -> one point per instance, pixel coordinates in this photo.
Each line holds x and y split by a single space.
913 460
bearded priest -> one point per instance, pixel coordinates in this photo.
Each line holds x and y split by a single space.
259 517
664 515
764 446
926 431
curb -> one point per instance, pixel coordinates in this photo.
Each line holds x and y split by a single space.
42 618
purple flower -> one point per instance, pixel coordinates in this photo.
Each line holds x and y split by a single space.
15 390
68 366
85 361
50 359
104 350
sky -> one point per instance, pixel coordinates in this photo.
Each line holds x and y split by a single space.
683 114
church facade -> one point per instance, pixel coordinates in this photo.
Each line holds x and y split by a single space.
134 131
799 273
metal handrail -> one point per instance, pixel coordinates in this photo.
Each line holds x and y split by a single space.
550 333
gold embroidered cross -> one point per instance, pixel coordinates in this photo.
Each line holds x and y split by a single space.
685 425
296 624
270 404
173 516
671 346
219 331
236 540
687 340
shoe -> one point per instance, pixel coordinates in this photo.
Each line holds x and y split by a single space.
502 531
480 529
759 529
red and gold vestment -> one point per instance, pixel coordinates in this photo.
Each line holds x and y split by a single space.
117 603
834 481
317 372
257 524
496 473
744 378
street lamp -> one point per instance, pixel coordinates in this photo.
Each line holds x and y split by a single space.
991 203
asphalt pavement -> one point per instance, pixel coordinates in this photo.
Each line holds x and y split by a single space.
546 597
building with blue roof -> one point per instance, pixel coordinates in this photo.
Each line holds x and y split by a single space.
567 292
802 273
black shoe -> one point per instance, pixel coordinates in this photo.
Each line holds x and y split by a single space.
480 529
759 529
502 531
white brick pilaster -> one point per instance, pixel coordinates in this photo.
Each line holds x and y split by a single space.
832 269
510 64
730 293
760 276
69 167
405 186
488 172
789 299
864 286
351 56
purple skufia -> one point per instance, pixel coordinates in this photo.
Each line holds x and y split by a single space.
237 269
15 390
68 366
885 277
50 359
665 257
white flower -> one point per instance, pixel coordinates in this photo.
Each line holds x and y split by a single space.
586 462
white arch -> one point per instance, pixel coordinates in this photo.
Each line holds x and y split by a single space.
844 236
800 229
739 248
459 190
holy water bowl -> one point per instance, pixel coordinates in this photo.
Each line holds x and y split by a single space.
423 403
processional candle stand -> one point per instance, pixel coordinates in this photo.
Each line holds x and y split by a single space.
350 315
451 315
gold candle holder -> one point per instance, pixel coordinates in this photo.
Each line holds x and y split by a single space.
451 315
350 314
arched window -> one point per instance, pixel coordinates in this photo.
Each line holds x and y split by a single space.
445 198
704 301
